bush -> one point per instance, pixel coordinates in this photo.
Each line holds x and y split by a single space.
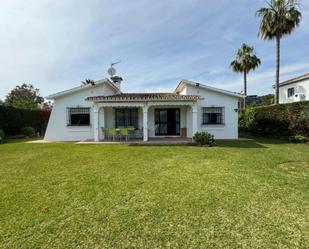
246 120
282 120
204 138
27 131
298 139
2 135
13 119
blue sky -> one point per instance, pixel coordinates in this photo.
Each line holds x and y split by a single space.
57 44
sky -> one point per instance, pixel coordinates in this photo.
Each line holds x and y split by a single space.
57 44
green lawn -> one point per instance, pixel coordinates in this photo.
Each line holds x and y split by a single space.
249 194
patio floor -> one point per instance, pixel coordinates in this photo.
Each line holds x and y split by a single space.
167 140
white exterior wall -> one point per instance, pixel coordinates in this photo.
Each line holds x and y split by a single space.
214 99
57 129
109 120
301 87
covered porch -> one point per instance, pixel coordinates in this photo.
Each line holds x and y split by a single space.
144 120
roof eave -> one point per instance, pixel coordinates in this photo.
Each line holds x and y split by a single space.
293 80
290 83
79 88
181 84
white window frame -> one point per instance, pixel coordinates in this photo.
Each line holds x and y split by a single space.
293 90
204 109
83 110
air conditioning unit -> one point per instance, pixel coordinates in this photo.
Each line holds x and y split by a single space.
299 97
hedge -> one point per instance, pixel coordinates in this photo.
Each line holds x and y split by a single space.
12 120
276 120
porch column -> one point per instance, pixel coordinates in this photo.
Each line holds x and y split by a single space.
101 123
96 135
145 123
194 119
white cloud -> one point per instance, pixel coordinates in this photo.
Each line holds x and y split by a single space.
56 44
260 81
41 39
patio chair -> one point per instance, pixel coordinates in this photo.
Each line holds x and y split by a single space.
103 132
124 132
131 130
112 133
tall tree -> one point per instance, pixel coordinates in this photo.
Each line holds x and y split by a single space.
245 61
24 96
88 82
280 18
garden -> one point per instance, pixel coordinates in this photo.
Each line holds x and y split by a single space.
238 194
250 193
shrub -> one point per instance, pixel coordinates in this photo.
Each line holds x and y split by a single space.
13 119
298 139
27 131
247 119
204 138
2 135
282 120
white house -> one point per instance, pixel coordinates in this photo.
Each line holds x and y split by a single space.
86 112
294 90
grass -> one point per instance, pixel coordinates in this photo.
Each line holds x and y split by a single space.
248 194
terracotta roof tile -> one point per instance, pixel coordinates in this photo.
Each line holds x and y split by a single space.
145 97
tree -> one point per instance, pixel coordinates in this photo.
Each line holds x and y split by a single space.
24 96
47 105
280 18
88 82
245 61
267 99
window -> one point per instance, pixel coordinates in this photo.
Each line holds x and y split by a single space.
126 117
78 116
290 92
213 115
240 105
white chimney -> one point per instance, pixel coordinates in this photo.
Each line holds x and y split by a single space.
117 81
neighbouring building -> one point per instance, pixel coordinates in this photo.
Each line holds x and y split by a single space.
253 100
294 90
86 112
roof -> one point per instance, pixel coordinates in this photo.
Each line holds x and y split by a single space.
182 84
294 80
82 87
145 97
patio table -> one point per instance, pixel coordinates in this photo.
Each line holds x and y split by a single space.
133 133
130 130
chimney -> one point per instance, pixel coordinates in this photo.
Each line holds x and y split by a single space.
117 81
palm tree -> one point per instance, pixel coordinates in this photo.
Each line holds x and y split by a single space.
88 81
245 61
280 18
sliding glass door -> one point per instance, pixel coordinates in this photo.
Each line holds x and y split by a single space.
167 122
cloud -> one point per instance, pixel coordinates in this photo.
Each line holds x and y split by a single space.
56 44
260 82
41 40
